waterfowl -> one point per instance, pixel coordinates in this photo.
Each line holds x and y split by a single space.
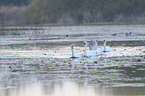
106 48
66 35
91 45
113 34
129 34
98 50
75 55
89 53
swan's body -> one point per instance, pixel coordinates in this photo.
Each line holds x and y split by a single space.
75 55
91 45
90 52
106 48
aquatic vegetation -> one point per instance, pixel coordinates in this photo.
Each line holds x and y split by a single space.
139 60
95 61
10 67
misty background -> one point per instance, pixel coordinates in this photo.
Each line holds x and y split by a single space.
14 12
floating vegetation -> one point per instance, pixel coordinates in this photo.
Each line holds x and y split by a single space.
122 65
139 60
95 62
10 67
116 60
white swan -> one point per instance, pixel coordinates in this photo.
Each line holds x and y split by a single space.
90 52
106 48
91 45
75 55
98 50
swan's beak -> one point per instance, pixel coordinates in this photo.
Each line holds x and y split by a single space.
84 44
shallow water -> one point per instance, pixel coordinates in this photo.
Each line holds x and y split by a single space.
40 64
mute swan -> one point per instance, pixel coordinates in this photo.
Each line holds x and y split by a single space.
98 50
74 55
90 52
91 45
106 48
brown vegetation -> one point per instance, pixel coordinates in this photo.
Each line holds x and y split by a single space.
74 12
11 15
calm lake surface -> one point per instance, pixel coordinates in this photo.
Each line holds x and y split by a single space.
38 63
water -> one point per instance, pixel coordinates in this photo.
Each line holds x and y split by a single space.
37 63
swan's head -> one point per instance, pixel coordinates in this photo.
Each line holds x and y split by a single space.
72 46
96 41
84 43
104 40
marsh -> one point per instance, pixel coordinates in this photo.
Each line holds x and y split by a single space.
38 63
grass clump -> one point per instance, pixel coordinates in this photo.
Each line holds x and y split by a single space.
139 60
95 62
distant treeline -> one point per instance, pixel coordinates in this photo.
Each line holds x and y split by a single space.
73 11
14 2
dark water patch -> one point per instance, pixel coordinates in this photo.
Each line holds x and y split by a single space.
130 43
81 35
140 35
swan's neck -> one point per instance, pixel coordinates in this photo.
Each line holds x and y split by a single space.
105 46
85 50
96 45
72 49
